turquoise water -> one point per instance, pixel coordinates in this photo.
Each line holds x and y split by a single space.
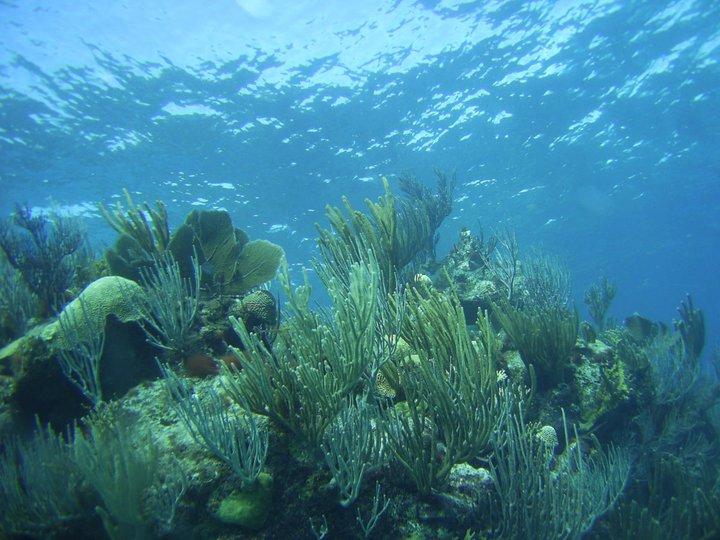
207 400
591 127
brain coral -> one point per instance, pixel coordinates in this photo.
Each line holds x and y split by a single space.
111 295
258 309
548 436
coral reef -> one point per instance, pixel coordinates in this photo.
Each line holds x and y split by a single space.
429 399
231 263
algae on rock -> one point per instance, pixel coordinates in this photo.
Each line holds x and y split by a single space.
248 508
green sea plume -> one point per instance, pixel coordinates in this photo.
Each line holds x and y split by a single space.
545 338
394 233
450 395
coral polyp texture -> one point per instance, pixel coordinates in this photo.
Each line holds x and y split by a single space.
429 397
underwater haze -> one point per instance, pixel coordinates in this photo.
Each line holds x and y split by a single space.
590 127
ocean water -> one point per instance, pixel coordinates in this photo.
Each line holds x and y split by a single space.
591 127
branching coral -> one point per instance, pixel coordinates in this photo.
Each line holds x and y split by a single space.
691 326
537 501
598 299
352 445
120 469
239 442
169 304
80 358
505 262
301 384
141 240
438 205
17 303
39 484
44 249
547 283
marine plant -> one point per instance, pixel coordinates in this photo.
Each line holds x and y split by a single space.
438 204
44 249
39 484
673 370
691 327
541 501
379 506
120 468
17 303
144 235
317 362
78 335
390 377
231 262
546 283
352 445
169 304
450 394
395 234
79 356
684 508
677 420
237 441
598 298
544 337
504 264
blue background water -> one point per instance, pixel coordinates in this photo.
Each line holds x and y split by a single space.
592 127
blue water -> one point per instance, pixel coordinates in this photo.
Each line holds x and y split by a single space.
592 127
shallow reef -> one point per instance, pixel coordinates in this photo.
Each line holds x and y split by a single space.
159 391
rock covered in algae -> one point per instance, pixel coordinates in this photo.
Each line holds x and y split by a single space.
468 480
109 306
601 383
515 366
248 508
